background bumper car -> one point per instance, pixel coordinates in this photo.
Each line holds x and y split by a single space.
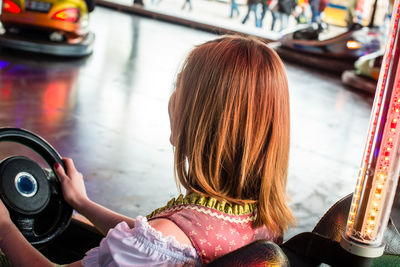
365 74
334 54
47 26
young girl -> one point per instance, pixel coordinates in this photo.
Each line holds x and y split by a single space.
229 118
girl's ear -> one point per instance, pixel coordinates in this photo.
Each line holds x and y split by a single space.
172 118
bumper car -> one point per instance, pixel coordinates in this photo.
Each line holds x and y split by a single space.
34 199
336 54
47 26
365 74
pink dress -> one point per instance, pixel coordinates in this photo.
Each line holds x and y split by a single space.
214 233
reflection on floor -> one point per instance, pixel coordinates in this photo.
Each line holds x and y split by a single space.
109 113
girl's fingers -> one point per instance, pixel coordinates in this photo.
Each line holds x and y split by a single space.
59 171
69 164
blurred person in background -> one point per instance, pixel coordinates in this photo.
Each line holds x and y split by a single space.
300 12
353 15
315 14
321 8
284 10
189 2
253 5
265 7
234 8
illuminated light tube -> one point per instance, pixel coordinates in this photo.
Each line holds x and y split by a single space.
11 7
351 44
379 172
68 14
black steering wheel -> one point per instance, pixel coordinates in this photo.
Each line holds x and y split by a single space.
31 193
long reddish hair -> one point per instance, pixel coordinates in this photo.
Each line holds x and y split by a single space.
232 125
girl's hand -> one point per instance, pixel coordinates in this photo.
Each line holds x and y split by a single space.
4 214
72 184
5 221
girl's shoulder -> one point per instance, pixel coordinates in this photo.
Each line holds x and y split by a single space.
168 228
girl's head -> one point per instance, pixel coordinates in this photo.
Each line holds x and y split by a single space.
230 126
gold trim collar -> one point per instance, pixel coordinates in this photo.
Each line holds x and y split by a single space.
209 202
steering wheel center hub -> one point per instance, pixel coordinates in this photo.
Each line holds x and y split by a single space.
23 185
26 184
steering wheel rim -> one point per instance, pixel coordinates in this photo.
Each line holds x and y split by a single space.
25 223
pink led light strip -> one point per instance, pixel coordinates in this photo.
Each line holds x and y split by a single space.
388 149
388 145
383 79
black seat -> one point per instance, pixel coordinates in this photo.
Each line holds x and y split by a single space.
90 4
322 244
258 253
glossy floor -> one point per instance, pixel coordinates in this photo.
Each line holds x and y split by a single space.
109 113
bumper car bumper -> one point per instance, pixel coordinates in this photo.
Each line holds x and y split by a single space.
83 48
350 78
327 63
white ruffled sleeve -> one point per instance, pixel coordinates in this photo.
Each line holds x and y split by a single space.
140 246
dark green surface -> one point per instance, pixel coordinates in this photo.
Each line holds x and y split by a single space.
386 261
4 261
